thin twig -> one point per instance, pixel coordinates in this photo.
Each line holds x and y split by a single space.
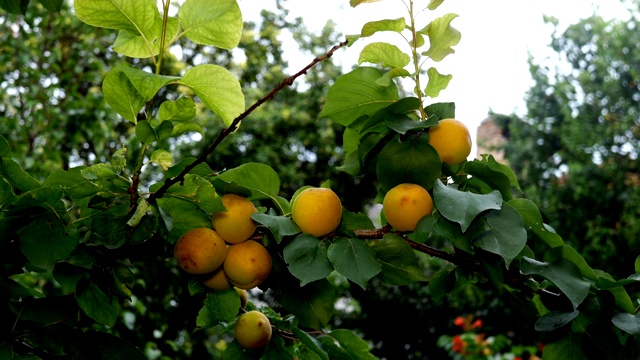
234 125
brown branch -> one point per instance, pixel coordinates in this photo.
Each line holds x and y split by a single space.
234 124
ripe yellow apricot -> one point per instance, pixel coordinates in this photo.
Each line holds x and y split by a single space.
200 251
247 264
253 330
235 225
217 280
317 211
405 204
451 140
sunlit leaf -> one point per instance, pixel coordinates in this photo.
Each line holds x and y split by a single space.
260 179
442 36
145 45
163 158
183 109
385 55
372 27
121 95
387 78
134 16
217 23
355 3
355 94
437 82
433 4
145 83
217 88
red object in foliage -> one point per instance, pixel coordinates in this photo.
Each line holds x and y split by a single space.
459 321
458 344
476 324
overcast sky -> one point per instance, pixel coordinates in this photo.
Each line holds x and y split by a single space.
489 67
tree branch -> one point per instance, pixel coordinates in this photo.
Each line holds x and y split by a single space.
234 125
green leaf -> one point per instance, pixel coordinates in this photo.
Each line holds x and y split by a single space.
14 6
46 242
145 133
355 3
260 179
563 274
121 95
145 45
142 209
372 27
217 23
356 94
442 36
355 221
433 4
134 16
627 322
385 55
555 320
310 342
16 176
183 109
387 78
146 84
352 344
441 110
463 206
45 198
96 304
217 88
306 258
354 259
568 347
6 194
110 226
410 161
71 182
533 221
218 306
163 158
312 304
280 226
437 82
497 176
506 236
569 253
5 149
398 261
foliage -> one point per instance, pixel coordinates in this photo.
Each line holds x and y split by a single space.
576 151
76 246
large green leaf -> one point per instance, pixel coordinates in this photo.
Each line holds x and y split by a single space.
145 83
555 320
498 176
310 342
628 322
217 88
351 344
437 82
355 94
306 257
71 182
45 198
218 306
145 45
410 161
280 226
14 6
354 259
372 27
217 23
13 173
46 242
183 109
563 274
463 206
533 221
442 36
96 304
134 16
569 253
398 260
121 95
506 235
260 179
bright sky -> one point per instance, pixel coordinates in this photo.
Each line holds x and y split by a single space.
489 68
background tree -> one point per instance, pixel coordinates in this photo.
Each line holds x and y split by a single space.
576 151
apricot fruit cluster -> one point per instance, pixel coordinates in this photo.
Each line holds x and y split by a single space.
225 256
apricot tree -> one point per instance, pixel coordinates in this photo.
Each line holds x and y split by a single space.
86 227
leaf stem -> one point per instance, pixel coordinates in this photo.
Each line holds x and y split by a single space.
165 19
416 61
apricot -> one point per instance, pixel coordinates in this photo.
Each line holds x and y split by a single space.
235 225
247 264
452 141
253 330
405 204
217 280
317 211
200 251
